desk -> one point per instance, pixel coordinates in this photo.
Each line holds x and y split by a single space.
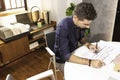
73 71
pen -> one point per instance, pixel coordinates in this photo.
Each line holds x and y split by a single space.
101 49
96 45
96 51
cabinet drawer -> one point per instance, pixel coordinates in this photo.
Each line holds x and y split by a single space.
14 49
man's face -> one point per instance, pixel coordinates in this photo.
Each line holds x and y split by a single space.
82 23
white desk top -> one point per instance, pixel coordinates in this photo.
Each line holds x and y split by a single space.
83 72
73 71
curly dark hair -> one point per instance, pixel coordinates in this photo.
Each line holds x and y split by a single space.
85 11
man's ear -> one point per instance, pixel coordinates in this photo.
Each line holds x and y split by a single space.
75 17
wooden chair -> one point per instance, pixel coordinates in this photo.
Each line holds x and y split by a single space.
52 60
42 75
45 74
9 77
50 40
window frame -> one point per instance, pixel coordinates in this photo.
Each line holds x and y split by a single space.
3 8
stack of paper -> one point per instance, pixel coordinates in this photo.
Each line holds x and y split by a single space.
107 54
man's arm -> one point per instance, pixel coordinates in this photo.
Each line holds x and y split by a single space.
76 59
92 63
85 61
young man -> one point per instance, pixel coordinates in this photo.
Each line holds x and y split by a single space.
71 30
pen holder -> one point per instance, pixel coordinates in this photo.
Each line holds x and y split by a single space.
39 24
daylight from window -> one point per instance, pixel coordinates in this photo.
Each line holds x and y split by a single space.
13 4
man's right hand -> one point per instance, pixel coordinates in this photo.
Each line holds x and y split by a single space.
96 63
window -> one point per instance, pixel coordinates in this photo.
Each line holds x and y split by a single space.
12 4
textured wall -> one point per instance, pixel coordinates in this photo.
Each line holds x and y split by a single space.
102 27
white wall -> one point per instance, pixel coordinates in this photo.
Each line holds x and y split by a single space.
57 8
31 3
73 1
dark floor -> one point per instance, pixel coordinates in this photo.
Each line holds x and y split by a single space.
29 65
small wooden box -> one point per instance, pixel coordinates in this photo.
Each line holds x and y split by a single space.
117 67
117 63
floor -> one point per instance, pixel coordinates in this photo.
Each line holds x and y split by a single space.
27 66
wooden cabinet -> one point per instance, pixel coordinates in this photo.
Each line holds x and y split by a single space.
14 49
17 48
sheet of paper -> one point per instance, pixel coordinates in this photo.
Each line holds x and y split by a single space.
84 52
107 53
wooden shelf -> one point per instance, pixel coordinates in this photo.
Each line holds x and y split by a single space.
34 39
53 24
42 44
38 34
